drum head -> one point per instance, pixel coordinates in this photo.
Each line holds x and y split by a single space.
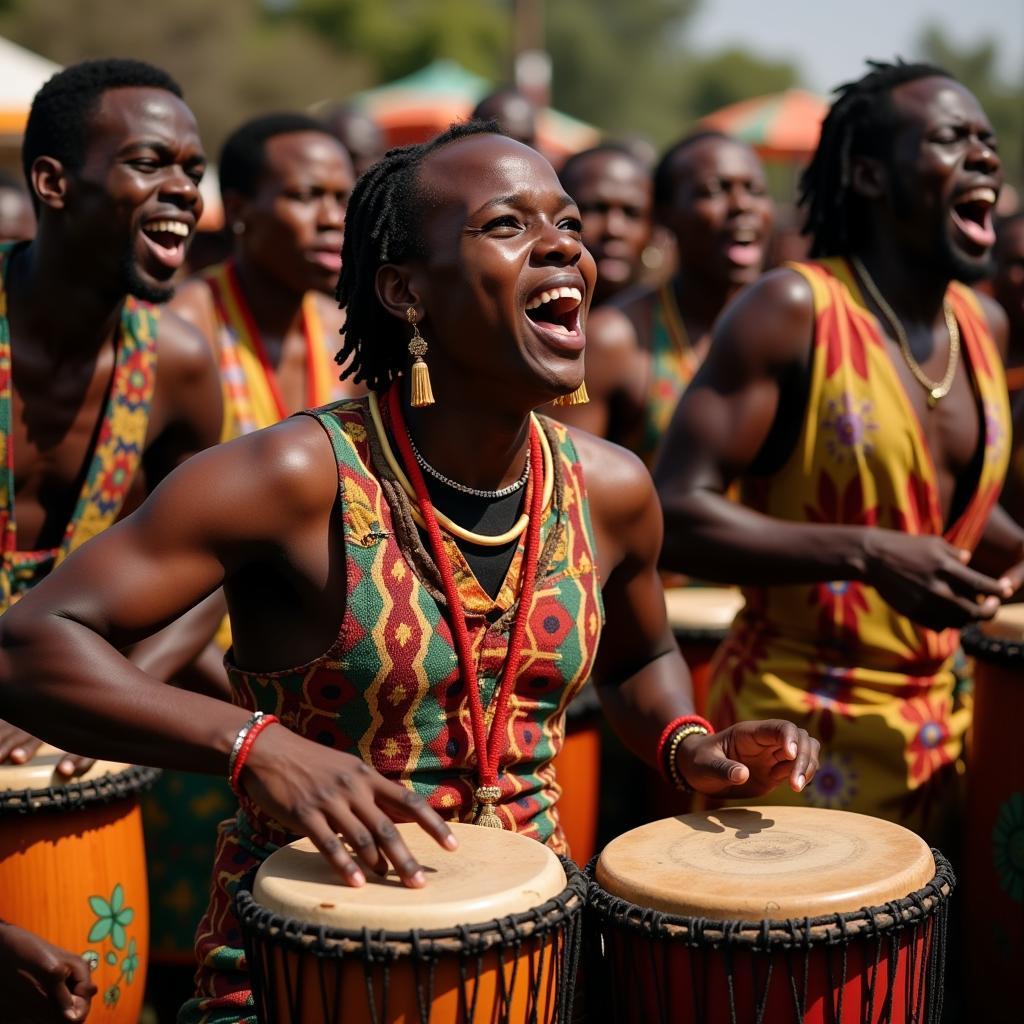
493 873
702 609
765 862
1008 624
41 772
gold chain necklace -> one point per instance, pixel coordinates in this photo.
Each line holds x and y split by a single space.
936 389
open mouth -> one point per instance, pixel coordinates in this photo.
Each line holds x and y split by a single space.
972 215
743 248
166 240
556 310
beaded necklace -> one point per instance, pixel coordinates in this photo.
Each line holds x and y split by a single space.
487 746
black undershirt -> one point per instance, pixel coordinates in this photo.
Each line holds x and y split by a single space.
489 516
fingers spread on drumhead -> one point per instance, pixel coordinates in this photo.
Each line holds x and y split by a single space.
361 839
72 764
327 841
390 841
407 805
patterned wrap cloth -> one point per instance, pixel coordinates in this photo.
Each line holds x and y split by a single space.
389 689
182 811
885 696
115 459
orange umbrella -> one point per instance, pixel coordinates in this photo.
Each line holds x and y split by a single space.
785 125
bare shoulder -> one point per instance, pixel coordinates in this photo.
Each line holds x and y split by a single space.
609 330
332 318
193 302
995 317
618 484
182 350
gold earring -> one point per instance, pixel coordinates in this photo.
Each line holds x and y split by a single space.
422 393
577 397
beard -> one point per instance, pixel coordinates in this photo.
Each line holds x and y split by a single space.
133 283
961 267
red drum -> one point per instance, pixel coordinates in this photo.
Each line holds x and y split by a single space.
73 870
578 773
493 937
770 915
994 837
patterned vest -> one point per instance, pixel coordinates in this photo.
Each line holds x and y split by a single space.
389 689
120 442
875 687
251 399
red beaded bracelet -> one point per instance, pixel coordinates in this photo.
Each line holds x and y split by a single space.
252 731
668 772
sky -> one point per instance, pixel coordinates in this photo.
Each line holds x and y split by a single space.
829 39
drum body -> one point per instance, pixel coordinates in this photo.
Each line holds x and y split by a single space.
578 772
73 870
769 915
994 837
464 965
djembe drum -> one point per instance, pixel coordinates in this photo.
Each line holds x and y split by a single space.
493 937
578 772
775 914
700 618
73 870
994 837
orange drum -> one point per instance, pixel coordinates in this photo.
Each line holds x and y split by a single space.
780 915
578 772
994 837
494 935
73 870
700 618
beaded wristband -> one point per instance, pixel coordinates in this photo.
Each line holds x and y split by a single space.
668 745
243 744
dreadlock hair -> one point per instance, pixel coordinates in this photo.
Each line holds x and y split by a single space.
664 172
242 157
859 123
383 226
573 163
58 123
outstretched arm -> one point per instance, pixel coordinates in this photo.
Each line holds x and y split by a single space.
641 677
744 407
265 497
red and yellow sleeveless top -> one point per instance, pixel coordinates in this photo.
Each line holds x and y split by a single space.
389 690
877 689
116 456
251 398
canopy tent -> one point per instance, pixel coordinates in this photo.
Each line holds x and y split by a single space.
784 125
416 107
22 72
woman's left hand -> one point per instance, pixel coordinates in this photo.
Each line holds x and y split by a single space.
749 759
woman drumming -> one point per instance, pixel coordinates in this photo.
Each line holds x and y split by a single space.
328 564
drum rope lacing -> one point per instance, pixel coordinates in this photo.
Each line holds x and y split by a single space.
884 924
74 795
542 925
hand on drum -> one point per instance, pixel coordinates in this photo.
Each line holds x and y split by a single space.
18 747
39 981
322 793
749 759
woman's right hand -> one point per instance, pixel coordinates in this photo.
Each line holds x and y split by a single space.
334 799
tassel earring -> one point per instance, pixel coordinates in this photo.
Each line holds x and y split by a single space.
422 393
577 397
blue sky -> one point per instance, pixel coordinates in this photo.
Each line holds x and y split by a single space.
829 39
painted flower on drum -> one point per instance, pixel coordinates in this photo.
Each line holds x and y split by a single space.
1008 846
112 920
834 784
927 751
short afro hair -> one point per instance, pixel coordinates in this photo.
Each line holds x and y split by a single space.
664 172
58 123
576 160
242 157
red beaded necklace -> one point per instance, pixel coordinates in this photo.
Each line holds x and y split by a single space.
487 792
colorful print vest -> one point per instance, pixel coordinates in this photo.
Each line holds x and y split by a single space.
389 689
879 691
250 393
120 442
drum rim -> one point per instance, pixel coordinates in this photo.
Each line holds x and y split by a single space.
79 795
258 922
772 934
994 649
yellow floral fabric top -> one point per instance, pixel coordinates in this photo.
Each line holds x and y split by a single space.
878 690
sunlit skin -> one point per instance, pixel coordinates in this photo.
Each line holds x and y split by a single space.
498 227
613 193
289 245
732 418
721 217
65 291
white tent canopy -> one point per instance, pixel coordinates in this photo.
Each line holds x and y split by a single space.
22 72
